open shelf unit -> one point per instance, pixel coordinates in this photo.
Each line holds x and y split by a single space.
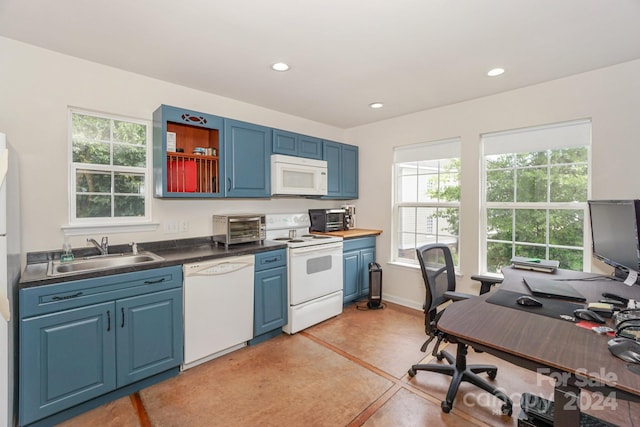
182 171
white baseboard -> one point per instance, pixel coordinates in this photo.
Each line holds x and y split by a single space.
402 301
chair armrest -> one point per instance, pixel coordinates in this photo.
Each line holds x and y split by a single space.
457 296
486 282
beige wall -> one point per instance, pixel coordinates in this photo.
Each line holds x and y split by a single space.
610 97
37 86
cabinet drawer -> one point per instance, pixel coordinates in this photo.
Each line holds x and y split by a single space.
271 259
62 296
358 243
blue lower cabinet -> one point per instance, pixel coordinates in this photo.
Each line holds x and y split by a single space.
358 253
84 339
65 359
270 295
149 336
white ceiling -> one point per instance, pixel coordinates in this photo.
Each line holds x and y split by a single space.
410 54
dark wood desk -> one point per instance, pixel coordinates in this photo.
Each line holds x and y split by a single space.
578 358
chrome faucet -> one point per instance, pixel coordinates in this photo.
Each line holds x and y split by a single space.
103 247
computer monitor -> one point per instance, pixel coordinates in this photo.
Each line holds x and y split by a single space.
615 228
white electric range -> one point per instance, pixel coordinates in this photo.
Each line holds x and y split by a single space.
314 267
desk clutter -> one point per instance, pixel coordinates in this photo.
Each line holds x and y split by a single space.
626 322
535 264
549 307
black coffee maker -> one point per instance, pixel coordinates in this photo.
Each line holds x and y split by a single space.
349 216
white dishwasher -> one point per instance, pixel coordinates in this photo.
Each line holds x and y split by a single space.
218 308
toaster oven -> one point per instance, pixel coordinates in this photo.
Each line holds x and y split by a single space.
233 229
324 220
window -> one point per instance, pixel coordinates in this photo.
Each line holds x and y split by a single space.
109 177
426 197
536 184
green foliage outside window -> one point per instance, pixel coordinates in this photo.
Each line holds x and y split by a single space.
110 158
548 192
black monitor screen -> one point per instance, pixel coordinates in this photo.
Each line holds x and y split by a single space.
614 232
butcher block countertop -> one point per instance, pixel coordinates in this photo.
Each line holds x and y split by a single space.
353 233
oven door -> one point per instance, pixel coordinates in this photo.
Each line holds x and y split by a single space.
246 229
314 271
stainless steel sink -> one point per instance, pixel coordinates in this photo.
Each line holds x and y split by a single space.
102 262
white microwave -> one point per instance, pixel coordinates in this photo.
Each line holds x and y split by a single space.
298 176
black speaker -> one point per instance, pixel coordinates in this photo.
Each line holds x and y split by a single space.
375 285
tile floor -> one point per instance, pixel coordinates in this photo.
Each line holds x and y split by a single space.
347 371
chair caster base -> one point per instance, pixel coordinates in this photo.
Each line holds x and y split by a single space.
492 374
507 409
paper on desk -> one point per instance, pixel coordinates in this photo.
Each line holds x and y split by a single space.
631 278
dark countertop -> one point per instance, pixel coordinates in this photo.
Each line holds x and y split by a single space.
174 252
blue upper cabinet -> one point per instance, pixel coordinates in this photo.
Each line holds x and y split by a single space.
310 147
349 171
293 144
187 146
247 159
197 155
342 170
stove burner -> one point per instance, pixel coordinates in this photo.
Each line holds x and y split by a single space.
286 239
296 241
316 236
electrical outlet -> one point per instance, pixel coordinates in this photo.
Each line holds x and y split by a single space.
171 227
184 226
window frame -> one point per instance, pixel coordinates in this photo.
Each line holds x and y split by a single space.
547 205
425 151
113 223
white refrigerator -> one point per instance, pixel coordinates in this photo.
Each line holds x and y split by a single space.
9 276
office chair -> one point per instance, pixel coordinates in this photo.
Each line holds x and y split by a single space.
438 273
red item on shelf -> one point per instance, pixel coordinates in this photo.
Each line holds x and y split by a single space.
181 175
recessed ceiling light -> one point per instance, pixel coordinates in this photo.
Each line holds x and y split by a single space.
495 72
280 66
376 105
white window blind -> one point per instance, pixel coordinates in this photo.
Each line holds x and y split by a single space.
539 138
435 150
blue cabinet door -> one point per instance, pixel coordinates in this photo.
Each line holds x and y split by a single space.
66 358
357 255
349 167
285 142
270 300
351 275
332 154
149 335
367 256
293 144
310 147
247 160
342 170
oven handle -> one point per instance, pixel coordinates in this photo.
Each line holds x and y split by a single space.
316 248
